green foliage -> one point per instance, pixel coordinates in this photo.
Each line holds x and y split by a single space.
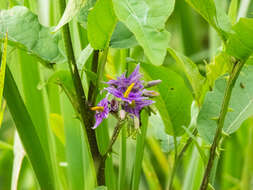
122 37
241 37
146 19
28 133
174 95
101 23
176 142
240 107
213 14
72 8
2 68
197 81
27 33
140 144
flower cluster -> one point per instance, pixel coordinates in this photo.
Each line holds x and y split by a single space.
129 94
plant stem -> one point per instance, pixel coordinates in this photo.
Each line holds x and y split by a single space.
244 6
179 157
85 113
94 69
174 168
101 170
228 92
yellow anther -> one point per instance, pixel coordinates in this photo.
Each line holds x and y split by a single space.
98 108
126 94
109 77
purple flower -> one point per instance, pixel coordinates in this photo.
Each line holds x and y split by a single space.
123 96
136 106
122 82
102 111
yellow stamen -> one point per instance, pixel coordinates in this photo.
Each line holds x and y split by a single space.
98 108
109 77
126 94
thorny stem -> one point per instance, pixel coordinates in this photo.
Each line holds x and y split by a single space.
224 109
101 170
179 157
86 116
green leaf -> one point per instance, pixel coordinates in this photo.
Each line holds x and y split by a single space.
232 13
83 14
27 133
140 146
80 165
101 23
64 80
25 32
150 174
6 146
241 37
174 102
56 123
146 19
101 188
214 14
122 37
190 69
72 8
220 65
83 58
19 154
240 106
2 69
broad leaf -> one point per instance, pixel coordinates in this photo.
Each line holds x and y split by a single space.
83 57
196 80
240 107
25 32
101 23
83 14
174 102
220 65
146 19
240 43
72 8
214 14
122 37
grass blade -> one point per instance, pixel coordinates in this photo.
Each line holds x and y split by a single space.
19 154
139 151
27 133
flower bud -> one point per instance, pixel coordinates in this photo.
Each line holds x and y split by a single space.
153 83
150 93
114 105
122 114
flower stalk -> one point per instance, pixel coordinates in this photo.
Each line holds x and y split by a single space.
101 170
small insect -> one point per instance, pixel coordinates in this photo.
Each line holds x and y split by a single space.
242 85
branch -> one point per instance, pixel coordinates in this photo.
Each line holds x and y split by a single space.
83 108
224 109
